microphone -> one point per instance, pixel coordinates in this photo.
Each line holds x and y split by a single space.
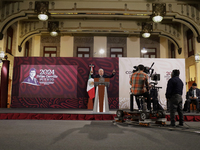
151 65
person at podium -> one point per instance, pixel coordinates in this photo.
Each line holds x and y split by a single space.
101 104
101 74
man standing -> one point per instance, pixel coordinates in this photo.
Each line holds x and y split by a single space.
193 95
101 74
174 96
139 86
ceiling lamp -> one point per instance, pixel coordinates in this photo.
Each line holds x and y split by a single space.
197 58
146 35
43 17
146 29
42 8
53 27
159 10
53 33
143 51
101 51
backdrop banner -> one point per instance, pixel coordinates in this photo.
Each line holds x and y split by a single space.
59 82
163 67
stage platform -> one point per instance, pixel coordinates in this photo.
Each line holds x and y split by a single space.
70 114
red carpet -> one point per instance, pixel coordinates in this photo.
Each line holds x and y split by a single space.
56 116
38 116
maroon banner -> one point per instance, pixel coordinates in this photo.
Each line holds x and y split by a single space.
48 81
70 76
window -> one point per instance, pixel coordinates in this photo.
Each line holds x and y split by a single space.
173 54
190 43
9 40
50 51
151 53
26 49
116 52
83 52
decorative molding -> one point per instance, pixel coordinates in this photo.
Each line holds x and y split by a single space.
116 40
52 5
182 9
30 5
12 7
82 40
75 5
148 7
50 39
125 7
18 7
187 10
170 8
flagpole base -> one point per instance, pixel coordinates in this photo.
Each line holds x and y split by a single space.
90 104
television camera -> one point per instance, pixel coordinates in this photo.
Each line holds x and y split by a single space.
153 76
143 117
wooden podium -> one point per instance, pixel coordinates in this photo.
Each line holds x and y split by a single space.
101 96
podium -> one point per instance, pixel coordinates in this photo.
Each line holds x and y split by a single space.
101 96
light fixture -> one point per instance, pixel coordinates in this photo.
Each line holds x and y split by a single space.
146 29
53 28
157 19
53 33
42 7
101 51
146 35
2 55
158 11
197 58
43 17
143 51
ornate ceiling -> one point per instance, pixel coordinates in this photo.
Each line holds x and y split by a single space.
97 17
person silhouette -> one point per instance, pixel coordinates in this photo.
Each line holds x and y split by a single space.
31 78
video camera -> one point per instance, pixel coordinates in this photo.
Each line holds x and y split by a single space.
148 70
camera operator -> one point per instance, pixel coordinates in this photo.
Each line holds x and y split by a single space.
139 86
174 96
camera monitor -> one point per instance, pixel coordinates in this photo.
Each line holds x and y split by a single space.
155 77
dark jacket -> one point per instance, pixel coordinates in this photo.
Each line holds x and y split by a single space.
174 86
104 76
189 93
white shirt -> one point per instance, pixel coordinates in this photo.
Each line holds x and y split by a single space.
195 94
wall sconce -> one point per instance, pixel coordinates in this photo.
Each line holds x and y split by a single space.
101 51
146 29
2 55
143 51
53 28
197 58
158 11
42 9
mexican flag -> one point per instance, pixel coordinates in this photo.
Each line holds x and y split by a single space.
90 86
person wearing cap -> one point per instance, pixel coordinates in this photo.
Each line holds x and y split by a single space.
193 95
174 96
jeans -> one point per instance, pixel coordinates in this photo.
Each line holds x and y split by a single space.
147 95
192 100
